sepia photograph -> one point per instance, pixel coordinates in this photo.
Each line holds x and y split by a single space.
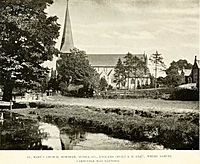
99 76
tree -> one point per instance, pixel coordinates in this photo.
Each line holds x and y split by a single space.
27 40
161 81
74 68
157 60
128 66
182 64
103 84
119 75
139 67
134 66
53 82
173 77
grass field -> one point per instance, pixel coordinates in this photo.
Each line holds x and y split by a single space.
139 104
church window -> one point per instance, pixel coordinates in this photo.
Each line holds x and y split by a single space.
142 81
132 81
189 80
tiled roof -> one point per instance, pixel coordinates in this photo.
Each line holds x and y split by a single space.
108 59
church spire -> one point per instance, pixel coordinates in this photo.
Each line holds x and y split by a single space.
67 39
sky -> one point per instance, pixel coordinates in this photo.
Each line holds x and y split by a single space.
170 27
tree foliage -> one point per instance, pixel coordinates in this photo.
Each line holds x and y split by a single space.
181 64
173 77
119 75
27 40
103 84
134 67
74 68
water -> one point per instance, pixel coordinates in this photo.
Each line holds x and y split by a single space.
18 133
100 141
53 136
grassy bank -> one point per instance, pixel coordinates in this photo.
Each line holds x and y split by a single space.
172 130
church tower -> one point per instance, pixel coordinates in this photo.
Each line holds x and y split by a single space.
67 39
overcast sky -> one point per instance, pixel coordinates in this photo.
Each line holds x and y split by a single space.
136 26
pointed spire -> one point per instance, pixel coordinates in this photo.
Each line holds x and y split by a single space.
67 39
195 59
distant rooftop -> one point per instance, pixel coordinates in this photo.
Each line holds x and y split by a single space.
186 72
109 59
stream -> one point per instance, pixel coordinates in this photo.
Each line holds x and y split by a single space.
19 133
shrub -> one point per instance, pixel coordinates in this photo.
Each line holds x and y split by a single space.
185 95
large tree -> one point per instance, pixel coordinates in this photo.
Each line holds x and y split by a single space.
128 65
103 84
133 67
174 78
74 68
181 64
119 75
27 40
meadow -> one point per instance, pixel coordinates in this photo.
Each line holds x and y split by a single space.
173 130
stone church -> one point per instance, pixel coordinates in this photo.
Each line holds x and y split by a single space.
104 63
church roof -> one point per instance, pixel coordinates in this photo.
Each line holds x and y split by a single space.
67 38
109 59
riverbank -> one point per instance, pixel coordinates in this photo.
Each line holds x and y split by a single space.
173 130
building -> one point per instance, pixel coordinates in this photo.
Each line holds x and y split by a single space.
195 71
191 75
185 73
104 63
67 37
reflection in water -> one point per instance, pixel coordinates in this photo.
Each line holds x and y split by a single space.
71 136
53 136
74 138
18 133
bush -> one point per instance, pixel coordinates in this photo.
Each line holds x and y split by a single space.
185 95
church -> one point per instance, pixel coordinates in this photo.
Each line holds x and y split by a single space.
104 63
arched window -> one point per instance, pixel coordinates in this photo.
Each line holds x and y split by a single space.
132 81
189 79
